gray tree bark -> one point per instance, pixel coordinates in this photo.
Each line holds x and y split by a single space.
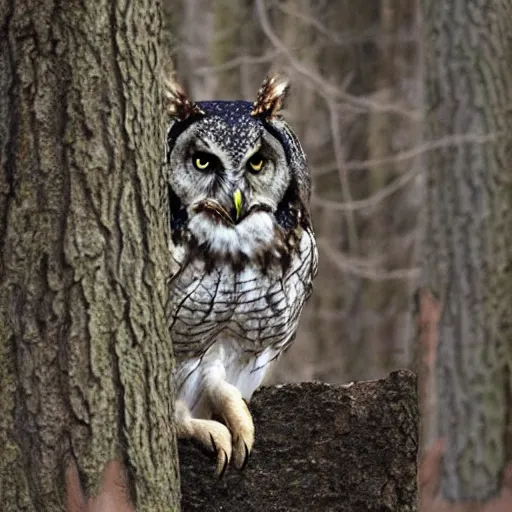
468 242
85 355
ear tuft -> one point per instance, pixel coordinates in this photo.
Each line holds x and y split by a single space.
270 96
179 106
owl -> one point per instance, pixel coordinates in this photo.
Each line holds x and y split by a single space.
245 255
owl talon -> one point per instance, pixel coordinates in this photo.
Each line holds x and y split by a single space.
222 458
222 466
211 434
241 452
227 401
246 459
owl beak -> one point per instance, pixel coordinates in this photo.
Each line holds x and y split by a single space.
237 205
230 217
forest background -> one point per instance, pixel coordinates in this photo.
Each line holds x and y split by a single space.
403 108
398 104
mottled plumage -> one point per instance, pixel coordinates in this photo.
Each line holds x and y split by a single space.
243 244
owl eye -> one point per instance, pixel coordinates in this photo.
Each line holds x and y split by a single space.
203 161
255 163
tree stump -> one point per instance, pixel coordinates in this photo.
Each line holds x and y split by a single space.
319 447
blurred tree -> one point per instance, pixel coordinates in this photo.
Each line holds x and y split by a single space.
468 246
85 355
226 45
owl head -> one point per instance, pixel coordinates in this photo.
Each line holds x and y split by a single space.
237 174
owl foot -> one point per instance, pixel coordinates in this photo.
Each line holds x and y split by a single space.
213 435
228 403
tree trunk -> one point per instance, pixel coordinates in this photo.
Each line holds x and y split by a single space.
85 355
469 237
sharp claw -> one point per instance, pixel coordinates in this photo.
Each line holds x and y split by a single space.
217 454
246 458
225 466
214 446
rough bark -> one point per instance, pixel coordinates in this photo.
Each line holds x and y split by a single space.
85 354
469 237
318 447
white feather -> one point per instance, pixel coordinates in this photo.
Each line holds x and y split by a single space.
252 233
280 87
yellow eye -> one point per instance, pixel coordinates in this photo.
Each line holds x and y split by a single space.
256 163
201 162
204 161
